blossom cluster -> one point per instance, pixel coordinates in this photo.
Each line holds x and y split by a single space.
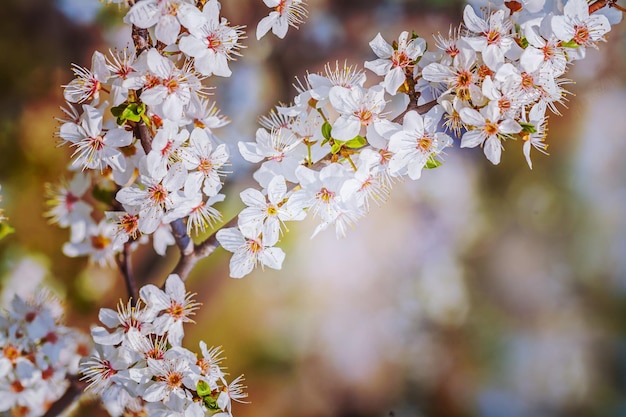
140 368
335 150
37 355
341 145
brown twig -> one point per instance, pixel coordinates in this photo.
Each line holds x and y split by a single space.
600 4
124 264
188 261
74 391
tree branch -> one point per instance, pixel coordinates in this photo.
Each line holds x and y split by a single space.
74 391
124 264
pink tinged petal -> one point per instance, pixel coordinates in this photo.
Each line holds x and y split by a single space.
472 21
172 107
118 137
99 66
509 126
218 64
380 47
378 66
193 183
415 168
489 89
241 264
493 57
154 298
149 219
346 128
526 151
101 336
345 100
253 198
531 59
598 26
437 73
478 43
249 152
155 392
533 37
131 195
577 8
143 14
92 120
265 25
272 258
231 239
276 189
175 288
167 29
190 17
393 80
471 117
158 64
280 27
192 46
493 149
397 163
413 123
472 138
175 333
491 112
271 229
109 317
562 29
155 95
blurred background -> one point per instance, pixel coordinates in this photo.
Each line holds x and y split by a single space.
476 291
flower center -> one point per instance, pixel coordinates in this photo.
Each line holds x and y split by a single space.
325 195
100 242
493 37
174 380
581 35
213 41
491 128
424 144
365 116
176 310
11 353
205 166
400 59
158 194
129 224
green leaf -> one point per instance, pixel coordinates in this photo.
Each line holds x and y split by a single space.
128 111
337 144
117 110
5 230
570 44
524 42
528 127
326 131
356 142
432 163
203 389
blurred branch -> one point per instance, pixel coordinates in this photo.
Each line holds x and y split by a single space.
74 391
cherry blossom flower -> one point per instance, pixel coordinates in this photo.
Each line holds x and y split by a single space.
213 43
488 131
393 63
172 307
417 143
286 13
249 250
